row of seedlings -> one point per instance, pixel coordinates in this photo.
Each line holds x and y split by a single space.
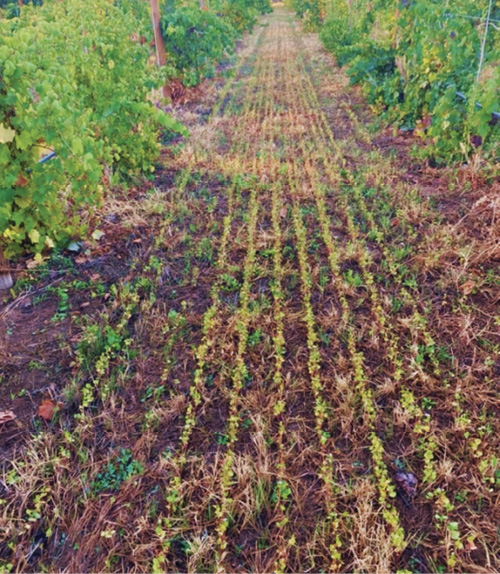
452 538
240 371
248 60
321 407
421 421
385 486
282 489
173 495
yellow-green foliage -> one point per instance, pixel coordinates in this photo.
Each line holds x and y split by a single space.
75 79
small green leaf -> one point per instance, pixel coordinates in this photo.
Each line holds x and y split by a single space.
34 235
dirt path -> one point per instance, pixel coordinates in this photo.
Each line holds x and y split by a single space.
295 366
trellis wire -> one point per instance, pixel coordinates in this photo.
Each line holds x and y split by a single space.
463 97
469 17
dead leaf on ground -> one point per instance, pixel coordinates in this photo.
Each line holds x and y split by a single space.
33 263
468 287
47 409
7 416
407 481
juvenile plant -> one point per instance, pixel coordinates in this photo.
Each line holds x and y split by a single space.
117 471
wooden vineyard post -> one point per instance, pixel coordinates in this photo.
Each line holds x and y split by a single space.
161 55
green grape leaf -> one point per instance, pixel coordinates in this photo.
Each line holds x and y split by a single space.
77 146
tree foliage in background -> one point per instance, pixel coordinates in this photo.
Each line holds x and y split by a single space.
412 57
242 14
195 41
312 13
198 39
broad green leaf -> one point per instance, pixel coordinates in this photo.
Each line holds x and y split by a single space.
22 202
77 146
24 140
